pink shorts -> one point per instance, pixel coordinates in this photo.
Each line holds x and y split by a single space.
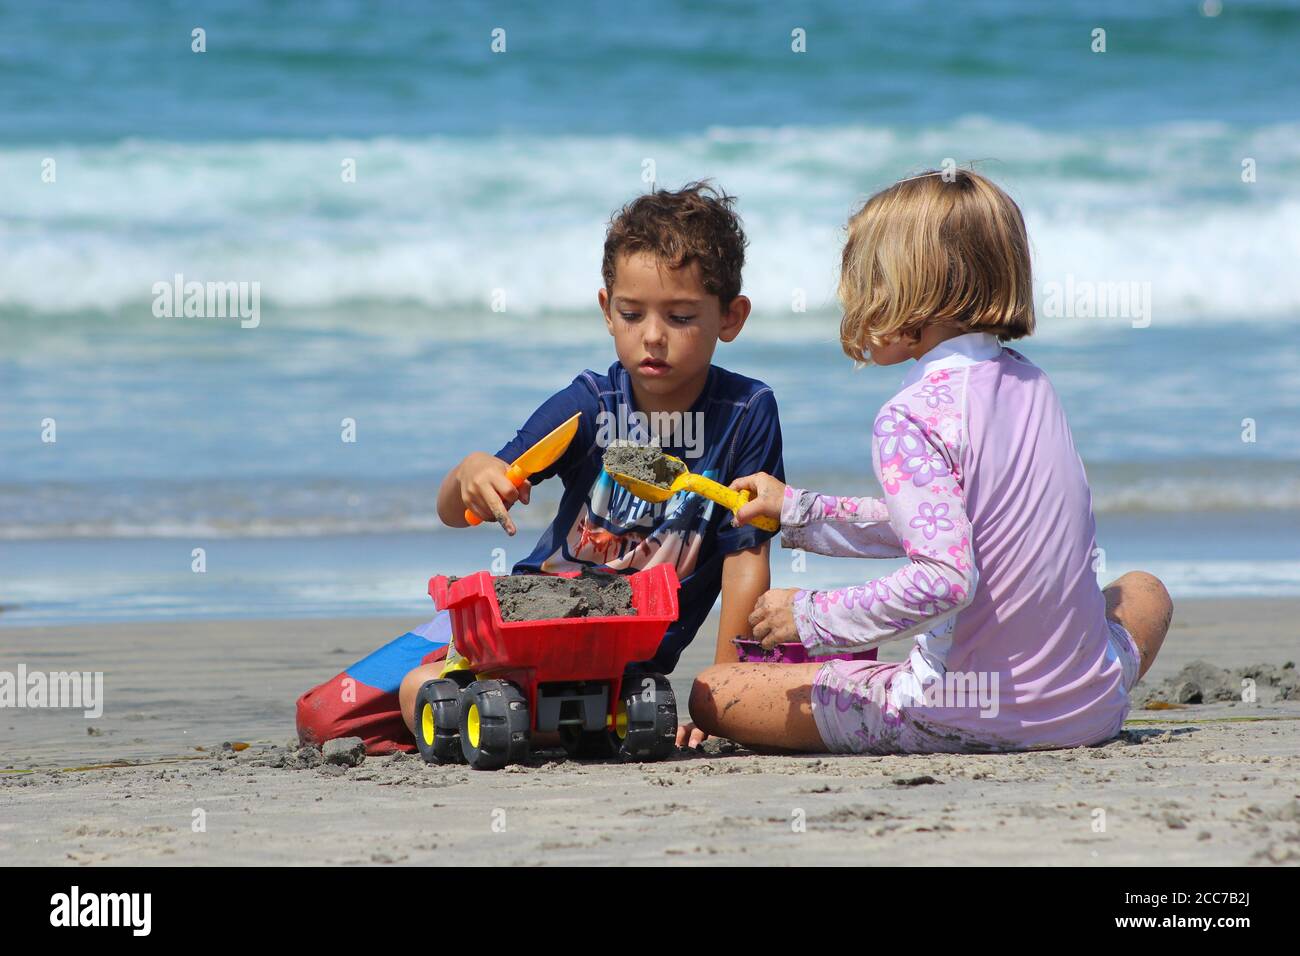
872 708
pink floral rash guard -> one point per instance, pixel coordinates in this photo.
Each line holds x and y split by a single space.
985 494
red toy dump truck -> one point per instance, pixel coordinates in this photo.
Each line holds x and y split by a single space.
563 674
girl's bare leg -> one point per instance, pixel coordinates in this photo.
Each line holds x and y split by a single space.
1140 602
765 705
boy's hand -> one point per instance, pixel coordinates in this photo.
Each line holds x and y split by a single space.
486 491
773 618
766 495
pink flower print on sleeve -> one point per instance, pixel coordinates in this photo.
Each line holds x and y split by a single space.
912 461
890 477
905 443
931 594
833 507
931 519
899 435
825 600
806 507
935 395
856 597
959 554
879 591
924 467
870 595
842 526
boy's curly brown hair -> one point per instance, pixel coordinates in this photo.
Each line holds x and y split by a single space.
693 224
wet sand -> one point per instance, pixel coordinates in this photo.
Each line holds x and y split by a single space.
1216 783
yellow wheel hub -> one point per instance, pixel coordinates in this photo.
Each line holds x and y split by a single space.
620 721
426 724
472 725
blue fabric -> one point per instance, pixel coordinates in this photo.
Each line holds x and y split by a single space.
385 668
599 524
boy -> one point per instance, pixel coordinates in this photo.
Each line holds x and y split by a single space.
671 270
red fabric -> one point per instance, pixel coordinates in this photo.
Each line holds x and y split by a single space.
326 713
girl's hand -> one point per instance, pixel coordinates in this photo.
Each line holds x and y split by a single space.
766 495
773 618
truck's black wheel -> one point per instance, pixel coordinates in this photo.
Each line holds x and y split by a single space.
586 744
646 727
437 721
494 724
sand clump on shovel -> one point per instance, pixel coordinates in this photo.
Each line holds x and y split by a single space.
643 462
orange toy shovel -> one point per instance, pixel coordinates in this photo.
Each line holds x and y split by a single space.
538 458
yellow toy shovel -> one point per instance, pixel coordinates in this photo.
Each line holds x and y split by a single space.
697 484
538 458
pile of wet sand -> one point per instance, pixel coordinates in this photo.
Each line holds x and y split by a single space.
643 462
1202 683
539 597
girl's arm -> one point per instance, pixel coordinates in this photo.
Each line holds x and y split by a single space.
823 524
919 470
841 527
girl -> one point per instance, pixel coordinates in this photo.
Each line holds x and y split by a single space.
1016 647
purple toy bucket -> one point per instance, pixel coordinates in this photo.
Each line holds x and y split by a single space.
751 652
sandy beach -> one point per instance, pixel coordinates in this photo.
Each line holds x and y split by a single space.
270 272
1213 783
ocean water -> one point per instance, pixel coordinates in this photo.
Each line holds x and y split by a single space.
1168 165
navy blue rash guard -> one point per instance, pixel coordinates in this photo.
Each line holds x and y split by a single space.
732 430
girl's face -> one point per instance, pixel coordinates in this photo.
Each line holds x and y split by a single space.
902 347
892 352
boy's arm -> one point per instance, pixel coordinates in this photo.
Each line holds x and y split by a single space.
745 548
745 572
745 576
479 482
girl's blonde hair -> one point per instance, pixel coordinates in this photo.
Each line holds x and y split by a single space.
934 250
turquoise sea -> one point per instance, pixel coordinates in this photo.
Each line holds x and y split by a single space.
1169 164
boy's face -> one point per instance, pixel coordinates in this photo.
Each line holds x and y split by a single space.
665 327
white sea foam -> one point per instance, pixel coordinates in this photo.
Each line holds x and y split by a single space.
442 222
